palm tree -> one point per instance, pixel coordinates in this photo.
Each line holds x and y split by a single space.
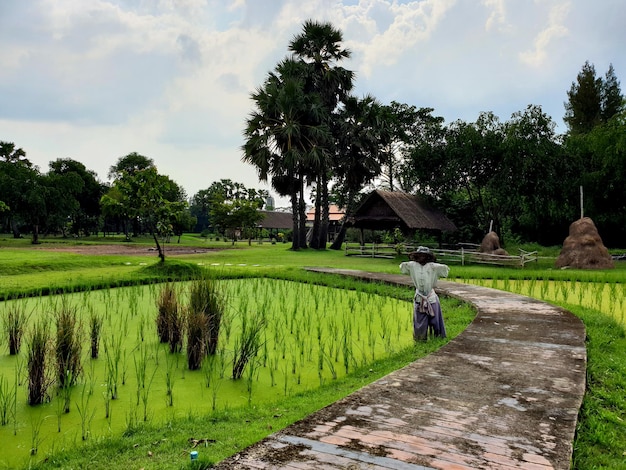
319 46
281 136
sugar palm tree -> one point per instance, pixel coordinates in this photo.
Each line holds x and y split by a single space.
319 46
281 136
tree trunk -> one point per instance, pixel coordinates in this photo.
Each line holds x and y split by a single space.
295 242
35 234
340 237
342 231
159 248
315 234
14 229
323 237
302 216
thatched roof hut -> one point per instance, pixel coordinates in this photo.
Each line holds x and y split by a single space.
276 220
387 210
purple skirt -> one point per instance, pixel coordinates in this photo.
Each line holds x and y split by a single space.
422 322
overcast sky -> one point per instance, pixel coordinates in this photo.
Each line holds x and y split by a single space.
94 80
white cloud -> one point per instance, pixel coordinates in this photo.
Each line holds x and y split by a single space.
554 29
171 79
497 18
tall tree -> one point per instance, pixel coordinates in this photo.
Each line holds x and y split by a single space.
584 106
403 126
85 217
150 199
18 182
592 100
612 99
279 135
130 164
319 47
533 186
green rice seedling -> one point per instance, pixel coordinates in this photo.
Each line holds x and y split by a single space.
85 412
273 367
285 378
214 393
68 346
251 373
35 434
6 400
133 301
346 348
209 367
107 406
222 361
249 342
331 366
39 376
14 321
170 365
65 393
581 292
140 359
16 384
145 394
113 353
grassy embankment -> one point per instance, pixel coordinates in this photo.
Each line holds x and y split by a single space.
601 436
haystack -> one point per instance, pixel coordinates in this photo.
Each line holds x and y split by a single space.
583 248
491 245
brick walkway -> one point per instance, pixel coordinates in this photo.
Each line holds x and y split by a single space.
503 394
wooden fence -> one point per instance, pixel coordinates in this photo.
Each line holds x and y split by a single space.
467 254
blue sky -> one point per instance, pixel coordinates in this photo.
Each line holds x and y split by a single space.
95 80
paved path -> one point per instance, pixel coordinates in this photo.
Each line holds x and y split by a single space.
503 394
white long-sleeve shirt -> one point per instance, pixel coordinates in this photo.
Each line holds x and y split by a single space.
425 276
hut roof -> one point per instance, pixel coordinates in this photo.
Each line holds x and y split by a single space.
386 210
278 220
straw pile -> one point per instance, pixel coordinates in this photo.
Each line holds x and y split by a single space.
491 245
583 248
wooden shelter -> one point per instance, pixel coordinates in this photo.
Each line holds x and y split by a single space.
388 210
275 222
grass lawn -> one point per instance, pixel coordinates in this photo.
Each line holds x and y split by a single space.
601 436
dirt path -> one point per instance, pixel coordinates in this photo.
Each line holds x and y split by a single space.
122 249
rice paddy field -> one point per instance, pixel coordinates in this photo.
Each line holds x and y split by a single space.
308 335
314 338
